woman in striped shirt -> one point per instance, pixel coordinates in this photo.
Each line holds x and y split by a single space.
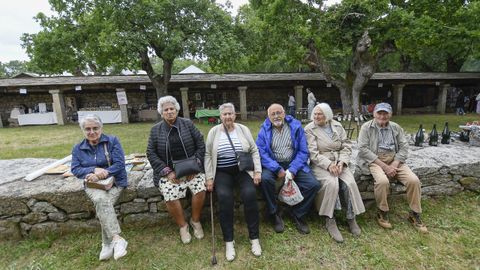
222 173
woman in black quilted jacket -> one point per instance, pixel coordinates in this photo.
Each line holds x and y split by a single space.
174 139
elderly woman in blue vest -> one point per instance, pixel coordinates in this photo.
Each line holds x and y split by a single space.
89 162
222 172
330 153
175 139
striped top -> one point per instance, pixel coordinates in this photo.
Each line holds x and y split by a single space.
282 146
386 142
226 156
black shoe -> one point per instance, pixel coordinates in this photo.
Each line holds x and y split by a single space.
278 224
301 225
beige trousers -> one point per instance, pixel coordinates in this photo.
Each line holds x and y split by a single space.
404 176
103 202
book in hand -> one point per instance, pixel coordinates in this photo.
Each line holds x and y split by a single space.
104 184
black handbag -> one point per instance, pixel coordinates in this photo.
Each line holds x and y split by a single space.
244 159
186 166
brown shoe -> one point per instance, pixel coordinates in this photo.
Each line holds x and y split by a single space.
415 219
382 219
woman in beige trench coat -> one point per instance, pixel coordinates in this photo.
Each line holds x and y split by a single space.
330 152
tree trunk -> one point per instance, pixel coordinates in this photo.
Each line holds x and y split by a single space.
346 97
453 65
160 82
361 70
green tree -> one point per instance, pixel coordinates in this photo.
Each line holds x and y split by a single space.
127 34
435 36
12 68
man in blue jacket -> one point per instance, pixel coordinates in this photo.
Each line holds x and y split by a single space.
284 153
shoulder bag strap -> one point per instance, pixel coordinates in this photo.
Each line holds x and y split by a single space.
107 154
181 141
230 140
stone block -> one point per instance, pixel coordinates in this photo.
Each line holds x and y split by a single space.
162 206
81 215
10 230
437 179
72 226
155 199
146 219
470 183
34 217
44 207
450 188
133 207
153 207
12 206
59 216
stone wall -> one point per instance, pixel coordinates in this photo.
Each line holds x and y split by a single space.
52 204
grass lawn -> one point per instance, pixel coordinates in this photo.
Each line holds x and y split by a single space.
453 243
57 141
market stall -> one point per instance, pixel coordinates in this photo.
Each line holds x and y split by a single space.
48 118
107 117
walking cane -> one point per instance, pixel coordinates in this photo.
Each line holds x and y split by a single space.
214 258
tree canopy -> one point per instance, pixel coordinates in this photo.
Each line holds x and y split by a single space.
102 34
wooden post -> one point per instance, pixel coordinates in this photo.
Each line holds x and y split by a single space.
298 97
58 106
442 98
242 91
123 108
186 110
398 98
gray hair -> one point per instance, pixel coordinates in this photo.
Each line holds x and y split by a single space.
226 106
325 108
90 118
167 99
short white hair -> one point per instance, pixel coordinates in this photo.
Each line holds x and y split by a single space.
90 118
227 105
167 99
325 108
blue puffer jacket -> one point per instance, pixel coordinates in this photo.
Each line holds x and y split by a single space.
85 158
300 151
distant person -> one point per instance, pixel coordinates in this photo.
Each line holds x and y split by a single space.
95 158
312 101
460 103
175 139
291 104
478 103
382 152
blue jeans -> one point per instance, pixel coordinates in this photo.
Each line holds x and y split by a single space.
306 182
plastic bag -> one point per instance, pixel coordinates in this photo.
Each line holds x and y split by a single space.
290 193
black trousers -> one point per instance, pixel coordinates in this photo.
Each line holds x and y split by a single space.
225 182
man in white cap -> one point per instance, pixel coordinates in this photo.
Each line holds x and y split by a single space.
383 150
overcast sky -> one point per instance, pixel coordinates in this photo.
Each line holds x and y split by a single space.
16 18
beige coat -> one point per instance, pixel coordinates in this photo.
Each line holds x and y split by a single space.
211 150
368 144
323 152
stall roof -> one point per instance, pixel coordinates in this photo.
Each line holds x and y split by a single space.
238 77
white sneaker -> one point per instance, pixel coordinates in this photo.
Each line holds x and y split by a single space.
229 251
119 248
256 248
197 229
106 252
185 235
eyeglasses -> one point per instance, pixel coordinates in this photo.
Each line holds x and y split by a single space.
94 129
278 113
